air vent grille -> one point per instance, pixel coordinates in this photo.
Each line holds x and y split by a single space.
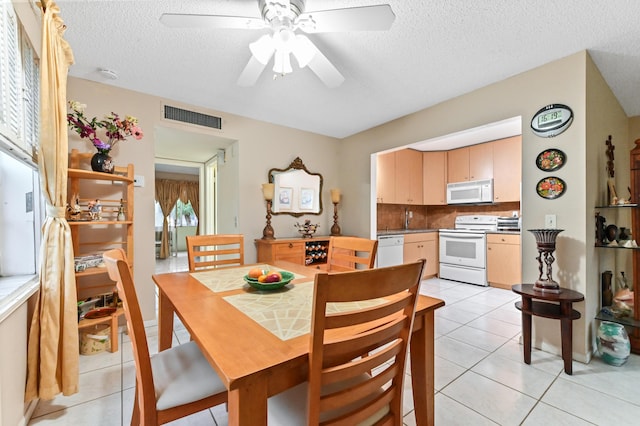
192 117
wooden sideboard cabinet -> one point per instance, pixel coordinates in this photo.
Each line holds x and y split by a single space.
304 251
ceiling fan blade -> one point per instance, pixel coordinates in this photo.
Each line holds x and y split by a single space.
181 20
320 65
366 18
251 72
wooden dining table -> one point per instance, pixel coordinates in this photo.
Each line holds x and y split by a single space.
258 341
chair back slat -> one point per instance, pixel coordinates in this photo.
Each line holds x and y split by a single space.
212 251
346 346
351 253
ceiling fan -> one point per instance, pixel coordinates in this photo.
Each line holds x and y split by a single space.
284 18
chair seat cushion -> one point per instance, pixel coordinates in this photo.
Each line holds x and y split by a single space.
182 375
289 408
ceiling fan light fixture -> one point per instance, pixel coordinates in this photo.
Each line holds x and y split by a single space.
284 39
282 63
262 49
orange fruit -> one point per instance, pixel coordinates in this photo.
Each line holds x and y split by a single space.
255 272
262 278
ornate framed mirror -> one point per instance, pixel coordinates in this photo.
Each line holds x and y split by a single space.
297 191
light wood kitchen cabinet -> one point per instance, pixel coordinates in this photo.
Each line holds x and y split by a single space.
481 161
422 245
507 169
408 177
434 178
504 266
458 165
470 163
385 178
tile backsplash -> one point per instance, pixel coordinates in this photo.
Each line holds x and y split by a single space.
391 216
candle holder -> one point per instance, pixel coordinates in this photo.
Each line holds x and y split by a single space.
335 199
267 192
546 242
335 229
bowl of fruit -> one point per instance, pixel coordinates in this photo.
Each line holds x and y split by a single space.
263 279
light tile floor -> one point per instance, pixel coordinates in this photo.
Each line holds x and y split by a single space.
480 376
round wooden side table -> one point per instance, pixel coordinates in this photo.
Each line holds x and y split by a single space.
548 305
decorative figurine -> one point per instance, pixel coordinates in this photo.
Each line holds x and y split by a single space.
121 216
95 209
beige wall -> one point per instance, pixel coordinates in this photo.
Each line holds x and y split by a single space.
259 147
563 81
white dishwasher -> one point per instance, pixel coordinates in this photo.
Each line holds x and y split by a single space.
390 250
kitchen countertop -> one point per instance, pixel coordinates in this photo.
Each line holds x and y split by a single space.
403 231
418 231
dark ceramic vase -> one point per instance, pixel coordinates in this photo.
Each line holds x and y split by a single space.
101 163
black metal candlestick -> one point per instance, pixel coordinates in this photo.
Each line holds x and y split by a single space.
546 242
267 232
335 229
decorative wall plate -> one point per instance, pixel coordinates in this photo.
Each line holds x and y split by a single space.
550 160
551 187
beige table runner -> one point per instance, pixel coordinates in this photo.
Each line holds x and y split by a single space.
225 279
286 313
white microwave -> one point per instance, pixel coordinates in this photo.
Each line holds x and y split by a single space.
473 192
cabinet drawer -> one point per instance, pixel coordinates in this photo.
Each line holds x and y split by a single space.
292 251
503 239
424 236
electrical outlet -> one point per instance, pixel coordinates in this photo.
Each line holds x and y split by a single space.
550 221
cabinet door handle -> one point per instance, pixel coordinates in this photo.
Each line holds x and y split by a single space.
290 245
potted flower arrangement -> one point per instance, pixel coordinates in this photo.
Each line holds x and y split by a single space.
115 129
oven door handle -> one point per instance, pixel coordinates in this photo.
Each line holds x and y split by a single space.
463 237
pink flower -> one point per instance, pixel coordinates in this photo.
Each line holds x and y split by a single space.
115 128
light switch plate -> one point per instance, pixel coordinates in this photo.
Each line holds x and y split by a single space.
550 221
138 180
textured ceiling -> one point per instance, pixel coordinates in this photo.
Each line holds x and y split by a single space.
434 51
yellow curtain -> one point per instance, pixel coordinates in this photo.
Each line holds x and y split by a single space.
167 193
52 361
191 193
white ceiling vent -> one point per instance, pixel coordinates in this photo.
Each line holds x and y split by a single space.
192 117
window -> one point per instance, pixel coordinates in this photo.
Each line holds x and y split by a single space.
19 84
20 196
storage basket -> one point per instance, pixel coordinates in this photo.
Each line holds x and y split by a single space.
94 340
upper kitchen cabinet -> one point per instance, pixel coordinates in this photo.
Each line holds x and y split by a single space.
408 183
481 161
399 177
385 178
507 169
470 163
434 178
458 165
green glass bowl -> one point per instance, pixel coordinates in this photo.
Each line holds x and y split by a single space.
287 277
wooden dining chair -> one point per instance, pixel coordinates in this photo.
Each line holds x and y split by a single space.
173 383
351 253
213 251
346 345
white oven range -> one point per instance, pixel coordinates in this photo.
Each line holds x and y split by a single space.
463 250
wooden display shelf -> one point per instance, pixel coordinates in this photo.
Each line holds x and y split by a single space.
88 174
98 222
112 320
94 270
